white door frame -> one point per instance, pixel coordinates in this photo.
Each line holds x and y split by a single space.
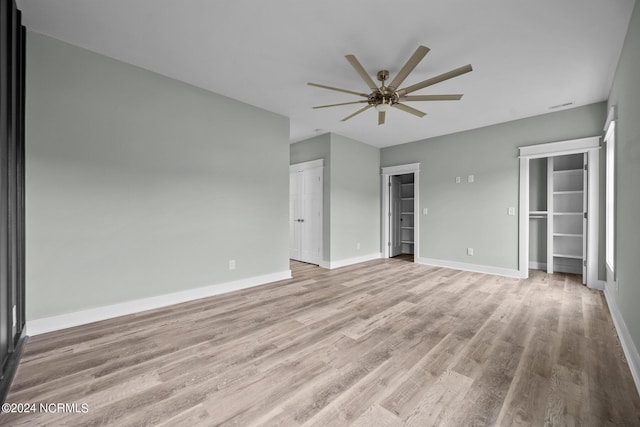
387 172
591 146
300 167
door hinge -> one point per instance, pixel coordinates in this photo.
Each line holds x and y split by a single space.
584 263
585 215
585 167
389 244
389 184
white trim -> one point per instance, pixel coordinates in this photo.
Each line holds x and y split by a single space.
400 170
589 145
628 346
299 167
476 268
68 320
535 265
560 148
350 261
523 220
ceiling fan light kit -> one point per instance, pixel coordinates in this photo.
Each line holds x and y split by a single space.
383 98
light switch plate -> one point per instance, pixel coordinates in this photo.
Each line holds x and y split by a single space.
470 178
458 180
511 211
425 211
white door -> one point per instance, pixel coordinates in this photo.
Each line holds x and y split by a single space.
585 209
395 209
305 215
294 215
311 215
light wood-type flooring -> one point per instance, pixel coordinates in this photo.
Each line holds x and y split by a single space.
382 343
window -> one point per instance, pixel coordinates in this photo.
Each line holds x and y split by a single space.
610 141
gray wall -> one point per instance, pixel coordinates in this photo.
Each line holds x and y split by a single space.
139 185
351 194
355 198
538 202
475 215
625 94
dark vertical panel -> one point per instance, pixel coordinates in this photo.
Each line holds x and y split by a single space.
12 222
21 309
12 172
5 28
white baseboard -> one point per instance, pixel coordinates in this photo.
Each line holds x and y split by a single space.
535 265
350 261
68 320
628 346
498 271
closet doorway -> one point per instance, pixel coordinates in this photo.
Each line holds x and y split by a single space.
560 218
400 190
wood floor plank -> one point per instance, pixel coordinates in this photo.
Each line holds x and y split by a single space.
382 343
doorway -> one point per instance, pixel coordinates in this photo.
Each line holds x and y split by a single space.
400 203
571 211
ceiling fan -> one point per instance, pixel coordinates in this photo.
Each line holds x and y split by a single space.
385 97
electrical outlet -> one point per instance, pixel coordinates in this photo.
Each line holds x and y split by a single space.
470 178
470 251
458 180
357 245
511 211
425 211
232 264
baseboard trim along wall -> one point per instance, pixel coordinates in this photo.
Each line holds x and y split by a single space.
534 265
350 261
498 271
628 346
68 320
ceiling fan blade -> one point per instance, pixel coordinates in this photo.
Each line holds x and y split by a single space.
343 103
431 98
361 71
357 112
437 79
408 67
337 89
381 115
409 110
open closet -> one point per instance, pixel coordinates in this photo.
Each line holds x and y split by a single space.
558 212
402 212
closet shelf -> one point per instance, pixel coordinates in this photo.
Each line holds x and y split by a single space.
407 228
567 213
567 234
568 192
572 256
409 242
408 183
407 198
568 171
406 213
537 212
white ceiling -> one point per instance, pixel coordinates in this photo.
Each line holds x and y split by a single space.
527 55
